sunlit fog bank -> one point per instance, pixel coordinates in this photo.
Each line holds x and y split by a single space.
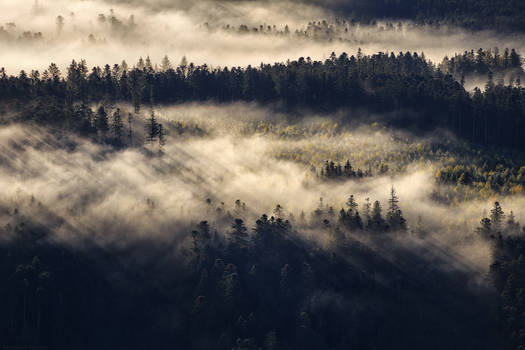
34 34
236 161
262 174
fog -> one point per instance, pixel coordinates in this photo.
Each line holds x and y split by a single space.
106 231
218 154
102 32
82 191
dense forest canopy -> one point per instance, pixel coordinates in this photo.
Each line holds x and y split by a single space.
268 175
380 83
474 14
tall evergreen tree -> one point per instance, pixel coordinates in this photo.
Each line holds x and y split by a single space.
485 228
117 126
395 218
166 64
377 222
239 233
130 129
162 137
152 129
512 226
101 121
352 205
497 217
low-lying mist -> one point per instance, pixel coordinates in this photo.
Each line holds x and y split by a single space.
82 191
216 33
371 204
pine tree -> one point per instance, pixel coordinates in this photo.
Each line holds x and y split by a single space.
130 129
117 126
201 238
124 66
393 202
367 209
485 228
239 233
183 62
357 221
152 129
162 137
166 64
352 205
348 170
148 65
101 121
513 226
343 217
377 223
140 64
278 211
496 217
395 218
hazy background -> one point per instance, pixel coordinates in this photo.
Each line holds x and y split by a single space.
104 32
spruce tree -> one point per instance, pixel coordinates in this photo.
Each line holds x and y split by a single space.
377 223
496 217
395 218
162 137
101 121
152 129
117 126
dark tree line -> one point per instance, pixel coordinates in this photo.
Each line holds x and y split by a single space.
370 220
380 83
485 62
472 14
508 271
337 171
332 170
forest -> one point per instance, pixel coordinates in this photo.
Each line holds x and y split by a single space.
262 175
501 14
381 83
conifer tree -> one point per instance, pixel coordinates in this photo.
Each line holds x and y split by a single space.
377 223
162 137
130 129
395 218
485 228
117 126
352 205
101 121
496 217
152 129
166 64
239 233
512 226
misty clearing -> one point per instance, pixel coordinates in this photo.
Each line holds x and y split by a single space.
262 175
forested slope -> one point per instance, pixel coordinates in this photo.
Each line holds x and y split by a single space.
381 83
